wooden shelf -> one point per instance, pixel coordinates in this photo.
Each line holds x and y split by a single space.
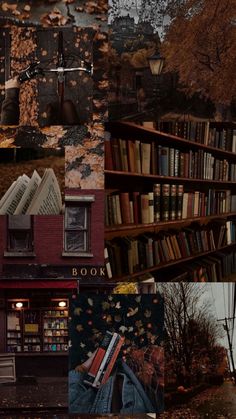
126 277
169 179
119 230
129 181
130 130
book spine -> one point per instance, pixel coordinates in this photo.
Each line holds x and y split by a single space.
157 202
145 208
173 202
179 203
151 207
165 202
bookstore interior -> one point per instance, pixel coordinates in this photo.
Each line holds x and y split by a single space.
170 201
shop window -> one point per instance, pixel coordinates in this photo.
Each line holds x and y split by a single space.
19 235
77 226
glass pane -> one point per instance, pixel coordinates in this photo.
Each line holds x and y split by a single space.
20 241
76 218
76 241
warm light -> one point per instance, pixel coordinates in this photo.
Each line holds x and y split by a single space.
156 63
62 304
19 305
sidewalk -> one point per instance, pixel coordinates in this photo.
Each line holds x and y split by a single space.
40 393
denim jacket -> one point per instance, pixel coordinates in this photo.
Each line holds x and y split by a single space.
85 399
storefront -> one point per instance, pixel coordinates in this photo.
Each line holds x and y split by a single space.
34 328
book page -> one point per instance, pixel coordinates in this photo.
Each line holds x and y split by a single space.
12 201
29 194
48 198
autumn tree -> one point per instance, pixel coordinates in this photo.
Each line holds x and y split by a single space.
191 332
200 46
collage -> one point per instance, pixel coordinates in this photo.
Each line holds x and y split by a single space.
117 209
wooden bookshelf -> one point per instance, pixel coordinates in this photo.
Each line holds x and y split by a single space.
167 179
127 181
176 262
38 331
132 130
135 229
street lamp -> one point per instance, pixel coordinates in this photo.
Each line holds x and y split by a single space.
156 63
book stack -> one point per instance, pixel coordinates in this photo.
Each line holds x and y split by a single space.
166 202
127 255
163 203
215 135
212 268
152 158
33 195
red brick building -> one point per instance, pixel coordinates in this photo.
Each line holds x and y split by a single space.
73 239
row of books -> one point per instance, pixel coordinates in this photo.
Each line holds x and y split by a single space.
213 268
152 158
166 202
33 195
127 255
210 134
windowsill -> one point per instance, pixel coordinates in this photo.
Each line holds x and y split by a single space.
19 254
77 254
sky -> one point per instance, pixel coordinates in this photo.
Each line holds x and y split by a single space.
126 9
219 295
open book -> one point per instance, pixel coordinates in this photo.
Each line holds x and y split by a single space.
33 196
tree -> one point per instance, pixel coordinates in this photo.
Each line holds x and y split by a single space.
200 46
191 332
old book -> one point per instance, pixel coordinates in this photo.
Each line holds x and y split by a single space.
137 157
179 201
131 155
154 159
185 205
13 195
107 263
146 157
145 209
47 200
172 162
116 156
165 205
118 209
125 207
29 194
151 207
173 202
124 155
163 160
157 201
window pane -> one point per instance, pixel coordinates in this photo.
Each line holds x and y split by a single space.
20 241
76 241
76 218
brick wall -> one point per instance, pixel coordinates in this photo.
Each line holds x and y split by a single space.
48 237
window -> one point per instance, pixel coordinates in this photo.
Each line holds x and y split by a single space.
77 226
20 235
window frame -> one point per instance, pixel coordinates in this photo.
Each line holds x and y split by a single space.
82 202
25 252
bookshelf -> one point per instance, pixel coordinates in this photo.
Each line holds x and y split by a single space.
14 331
31 331
37 331
55 330
122 177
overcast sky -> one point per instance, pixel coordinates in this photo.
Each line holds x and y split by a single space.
220 297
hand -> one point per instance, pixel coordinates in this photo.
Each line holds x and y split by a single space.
12 83
87 364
